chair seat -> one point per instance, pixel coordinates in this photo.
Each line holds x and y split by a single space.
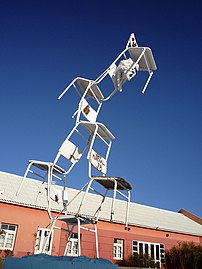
108 182
69 219
95 91
148 59
102 129
45 166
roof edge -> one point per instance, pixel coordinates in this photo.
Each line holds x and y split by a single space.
102 219
191 216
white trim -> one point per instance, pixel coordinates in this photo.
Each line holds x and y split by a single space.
158 257
72 246
41 238
118 249
9 235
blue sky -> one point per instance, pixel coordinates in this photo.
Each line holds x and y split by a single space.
158 146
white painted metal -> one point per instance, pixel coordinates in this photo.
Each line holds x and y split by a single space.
46 171
126 66
82 223
117 185
89 92
86 87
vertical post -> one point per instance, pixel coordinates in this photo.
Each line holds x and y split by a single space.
50 171
79 236
113 200
96 241
127 209
25 175
84 196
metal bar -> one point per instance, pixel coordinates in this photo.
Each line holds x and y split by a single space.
113 200
39 191
103 139
79 237
38 175
25 175
67 88
75 87
48 237
100 207
57 176
87 229
127 209
122 194
48 190
84 196
147 82
68 240
96 241
94 93
77 194
108 150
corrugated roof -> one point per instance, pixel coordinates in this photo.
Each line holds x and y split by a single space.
140 215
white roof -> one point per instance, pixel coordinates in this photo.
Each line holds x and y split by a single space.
140 215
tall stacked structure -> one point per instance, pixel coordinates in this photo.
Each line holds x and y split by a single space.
85 135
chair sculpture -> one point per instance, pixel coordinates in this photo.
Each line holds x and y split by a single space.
96 137
131 60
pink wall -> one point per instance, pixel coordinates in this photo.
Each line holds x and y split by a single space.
108 231
28 221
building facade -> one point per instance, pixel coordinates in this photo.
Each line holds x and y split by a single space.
24 226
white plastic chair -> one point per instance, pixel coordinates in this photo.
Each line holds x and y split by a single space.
70 152
81 223
128 63
90 99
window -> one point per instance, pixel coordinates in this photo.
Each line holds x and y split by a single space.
153 250
43 239
7 236
72 245
118 249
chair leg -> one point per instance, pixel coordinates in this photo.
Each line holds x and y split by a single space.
25 175
84 196
96 241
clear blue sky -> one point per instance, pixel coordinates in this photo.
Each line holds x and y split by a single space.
158 146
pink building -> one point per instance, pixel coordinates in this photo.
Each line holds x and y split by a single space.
24 222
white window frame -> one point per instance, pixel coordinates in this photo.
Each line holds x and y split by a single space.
42 233
7 233
161 254
72 245
118 249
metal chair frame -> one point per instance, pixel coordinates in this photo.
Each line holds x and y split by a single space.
81 223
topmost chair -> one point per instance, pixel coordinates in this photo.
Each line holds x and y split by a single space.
130 61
